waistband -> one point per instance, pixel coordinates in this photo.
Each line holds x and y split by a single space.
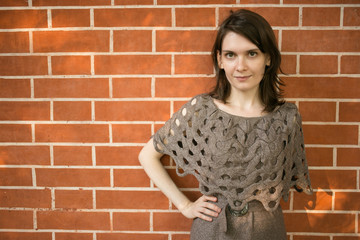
252 206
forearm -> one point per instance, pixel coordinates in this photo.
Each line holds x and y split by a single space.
158 174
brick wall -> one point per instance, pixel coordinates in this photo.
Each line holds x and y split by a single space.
84 84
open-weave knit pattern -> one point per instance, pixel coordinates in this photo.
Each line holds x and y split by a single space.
243 159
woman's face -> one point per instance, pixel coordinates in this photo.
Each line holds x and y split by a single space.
243 62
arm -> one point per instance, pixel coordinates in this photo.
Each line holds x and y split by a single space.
150 160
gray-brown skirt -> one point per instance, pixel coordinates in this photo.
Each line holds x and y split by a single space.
256 224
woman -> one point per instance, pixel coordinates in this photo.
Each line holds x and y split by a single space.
242 142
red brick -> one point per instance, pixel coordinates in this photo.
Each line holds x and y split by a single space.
131 87
192 195
72 111
73 199
73 236
131 221
260 1
25 155
180 237
321 16
276 16
319 156
23 19
320 222
346 238
70 18
311 237
134 2
132 64
14 42
324 64
310 111
333 179
131 200
123 156
288 64
174 221
331 134
23 111
348 157
137 17
132 133
132 111
349 112
70 2
318 201
284 205
71 41
158 126
321 1
131 178
351 16
25 235
350 64
321 87
169 87
71 133
73 177
320 41
13 3
195 17
72 155
193 64
73 220
15 177
16 219
165 160
15 88
23 65
71 65
15 133
347 201
185 2
184 41
188 181
27 198
131 236
133 41
71 88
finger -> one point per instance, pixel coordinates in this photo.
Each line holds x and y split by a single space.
211 206
210 198
203 217
209 212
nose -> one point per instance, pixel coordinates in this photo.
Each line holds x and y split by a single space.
241 64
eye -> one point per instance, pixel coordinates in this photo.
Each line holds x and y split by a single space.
253 54
229 55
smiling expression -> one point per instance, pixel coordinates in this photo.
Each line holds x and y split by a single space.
243 62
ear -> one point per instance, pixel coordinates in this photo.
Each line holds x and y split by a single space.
268 60
219 60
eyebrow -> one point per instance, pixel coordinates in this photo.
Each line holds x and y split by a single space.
250 50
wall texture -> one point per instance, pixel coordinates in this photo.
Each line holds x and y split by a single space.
84 84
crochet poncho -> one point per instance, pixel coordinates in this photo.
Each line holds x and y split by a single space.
241 158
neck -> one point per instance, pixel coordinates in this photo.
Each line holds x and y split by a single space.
245 100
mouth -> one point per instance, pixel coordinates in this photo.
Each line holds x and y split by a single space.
242 78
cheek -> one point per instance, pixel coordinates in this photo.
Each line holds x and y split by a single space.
229 66
260 68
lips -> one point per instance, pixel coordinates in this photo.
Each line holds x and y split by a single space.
242 78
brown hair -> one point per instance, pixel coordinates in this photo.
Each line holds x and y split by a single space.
257 30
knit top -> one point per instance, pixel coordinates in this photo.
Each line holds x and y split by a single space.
241 158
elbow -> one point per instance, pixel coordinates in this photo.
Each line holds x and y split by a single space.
148 154
141 157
